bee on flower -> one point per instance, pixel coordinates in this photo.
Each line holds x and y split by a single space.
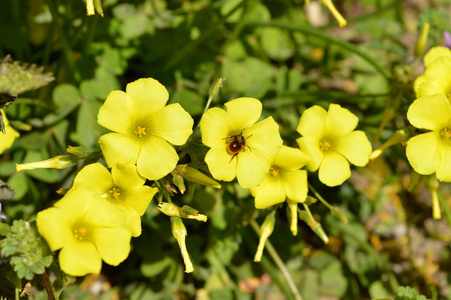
240 147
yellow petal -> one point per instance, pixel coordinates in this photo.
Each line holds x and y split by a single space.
114 114
118 148
173 124
312 121
334 169
264 137
214 127
145 97
438 71
126 176
430 112
7 138
80 258
94 176
355 146
139 198
243 112
156 159
290 158
340 121
422 152
54 227
221 164
295 184
417 83
269 193
443 170
132 222
429 88
113 244
252 168
435 53
310 146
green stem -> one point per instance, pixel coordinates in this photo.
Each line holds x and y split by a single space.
163 190
445 207
273 253
66 48
47 286
319 197
314 32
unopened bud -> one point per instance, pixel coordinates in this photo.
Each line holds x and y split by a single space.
334 211
197 176
186 212
314 225
398 137
292 212
330 5
57 162
215 89
265 231
78 151
178 181
179 232
422 40
90 8
433 186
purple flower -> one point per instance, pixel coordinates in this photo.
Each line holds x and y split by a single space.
1 215
447 38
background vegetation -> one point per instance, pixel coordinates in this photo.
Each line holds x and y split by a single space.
288 55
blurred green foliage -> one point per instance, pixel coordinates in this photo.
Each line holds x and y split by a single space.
265 49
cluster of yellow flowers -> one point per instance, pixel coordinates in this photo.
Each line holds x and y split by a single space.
428 153
97 217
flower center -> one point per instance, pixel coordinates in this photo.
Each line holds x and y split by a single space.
140 131
324 145
446 133
274 171
80 233
115 192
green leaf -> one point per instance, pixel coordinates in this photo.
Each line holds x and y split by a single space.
152 269
30 253
18 182
408 293
276 43
190 101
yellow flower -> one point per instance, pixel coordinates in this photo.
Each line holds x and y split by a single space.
331 142
123 188
238 146
7 138
283 180
437 76
144 128
431 152
86 231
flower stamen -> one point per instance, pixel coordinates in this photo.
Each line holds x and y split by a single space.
140 131
445 132
274 171
324 145
115 192
80 233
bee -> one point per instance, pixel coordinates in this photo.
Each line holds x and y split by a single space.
237 144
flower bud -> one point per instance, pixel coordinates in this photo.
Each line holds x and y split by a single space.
90 8
178 181
187 212
78 151
422 40
214 90
399 136
315 226
197 176
330 5
292 212
336 213
179 232
265 231
433 186
57 162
